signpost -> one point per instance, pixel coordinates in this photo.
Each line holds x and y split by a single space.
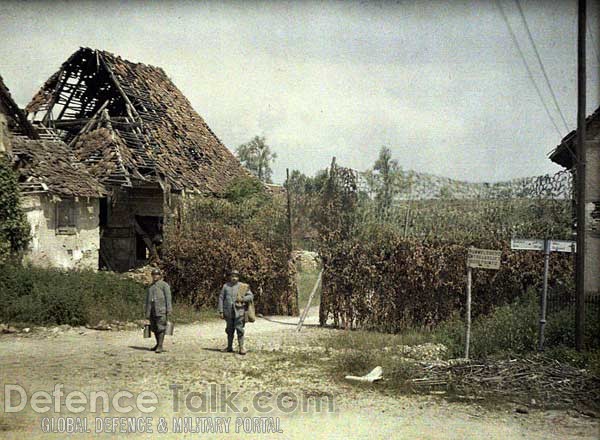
547 246
481 259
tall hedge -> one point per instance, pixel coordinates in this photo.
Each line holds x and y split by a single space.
247 233
389 283
375 276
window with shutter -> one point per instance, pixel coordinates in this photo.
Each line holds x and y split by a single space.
66 222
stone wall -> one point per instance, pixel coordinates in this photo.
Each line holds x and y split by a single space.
49 247
592 251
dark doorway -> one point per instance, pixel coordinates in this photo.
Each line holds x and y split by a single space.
148 237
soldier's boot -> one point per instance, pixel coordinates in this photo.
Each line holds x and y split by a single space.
156 346
161 338
241 344
229 348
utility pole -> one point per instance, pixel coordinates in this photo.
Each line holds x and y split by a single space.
289 209
581 179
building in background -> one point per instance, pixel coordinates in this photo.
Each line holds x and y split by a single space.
564 155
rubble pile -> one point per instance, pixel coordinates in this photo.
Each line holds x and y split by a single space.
535 381
306 260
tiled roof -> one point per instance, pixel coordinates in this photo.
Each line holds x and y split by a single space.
49 166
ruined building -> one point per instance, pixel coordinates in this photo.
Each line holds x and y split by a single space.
60 198
128 127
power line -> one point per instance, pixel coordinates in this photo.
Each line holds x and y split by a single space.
529 72
537 54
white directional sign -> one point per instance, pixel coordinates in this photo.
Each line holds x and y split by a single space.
525 244
562 246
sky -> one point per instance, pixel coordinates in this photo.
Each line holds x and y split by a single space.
439 83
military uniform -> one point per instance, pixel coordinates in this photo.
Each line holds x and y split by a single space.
233 311
158 306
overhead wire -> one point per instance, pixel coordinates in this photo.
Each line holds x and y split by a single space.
529 72
539 59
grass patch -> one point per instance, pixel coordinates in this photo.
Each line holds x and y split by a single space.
41 296
368 340
358 352
507 332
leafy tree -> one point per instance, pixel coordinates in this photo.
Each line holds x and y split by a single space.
300 183
242 188
256 155
305 193
14 229
385 177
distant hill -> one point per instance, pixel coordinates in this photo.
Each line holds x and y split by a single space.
429 186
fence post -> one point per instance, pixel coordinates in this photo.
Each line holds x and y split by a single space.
544 301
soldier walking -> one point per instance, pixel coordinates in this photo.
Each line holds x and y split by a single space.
233 302
158 307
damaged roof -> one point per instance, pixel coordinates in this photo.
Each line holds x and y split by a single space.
46 166
565 153
129 124
44 163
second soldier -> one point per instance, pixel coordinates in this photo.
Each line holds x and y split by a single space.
233 303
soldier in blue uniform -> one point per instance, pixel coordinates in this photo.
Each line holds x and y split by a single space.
233 303
158 306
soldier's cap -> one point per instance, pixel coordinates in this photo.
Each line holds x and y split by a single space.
234 272
156 271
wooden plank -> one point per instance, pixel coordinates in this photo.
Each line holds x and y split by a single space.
310 298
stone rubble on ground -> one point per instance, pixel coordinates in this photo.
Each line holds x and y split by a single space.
306 261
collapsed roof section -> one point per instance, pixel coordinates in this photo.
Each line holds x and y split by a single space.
130 125
43 162
46 166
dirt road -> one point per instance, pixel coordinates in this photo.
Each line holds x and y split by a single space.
92 361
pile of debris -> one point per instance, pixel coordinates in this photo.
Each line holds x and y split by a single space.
534 381
142 275
306 260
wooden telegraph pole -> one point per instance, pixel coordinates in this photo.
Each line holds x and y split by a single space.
289 209
580 179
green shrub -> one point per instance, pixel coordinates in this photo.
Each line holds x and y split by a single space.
511 328
41 296
53 296
242 188
514 329
14 229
